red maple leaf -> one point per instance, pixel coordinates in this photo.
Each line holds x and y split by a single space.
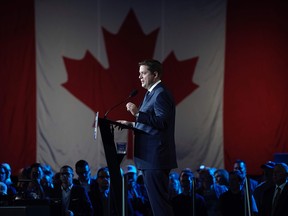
100 88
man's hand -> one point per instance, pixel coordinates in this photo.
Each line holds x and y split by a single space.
132 108
124 122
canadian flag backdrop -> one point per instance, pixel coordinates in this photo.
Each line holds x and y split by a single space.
63 61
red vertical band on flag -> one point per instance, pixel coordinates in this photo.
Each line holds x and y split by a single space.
255 85
18 84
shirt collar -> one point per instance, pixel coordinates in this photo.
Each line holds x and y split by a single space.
85 183
281 186
67 189
153 86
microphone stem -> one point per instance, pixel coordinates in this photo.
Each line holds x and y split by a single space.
105 116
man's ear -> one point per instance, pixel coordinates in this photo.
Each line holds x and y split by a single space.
156 74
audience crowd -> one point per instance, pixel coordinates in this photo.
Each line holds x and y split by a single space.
205 192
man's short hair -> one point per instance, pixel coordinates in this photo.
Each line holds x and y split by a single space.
81 163
153 66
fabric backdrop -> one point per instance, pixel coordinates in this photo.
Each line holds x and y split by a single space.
63 61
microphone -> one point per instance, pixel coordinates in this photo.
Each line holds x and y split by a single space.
133 93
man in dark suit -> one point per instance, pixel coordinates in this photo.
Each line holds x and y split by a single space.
154 151
241 166
85 180
275 199
185 202
69 199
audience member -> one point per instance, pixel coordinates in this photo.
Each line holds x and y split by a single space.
70 199
84 179
142 188
83 171
267 182
104 202
9 172
34 189
136 202
210 191
174 185
221 177
188 201
232 202
22 183
11 191
56 180
47 178
275 199
241 166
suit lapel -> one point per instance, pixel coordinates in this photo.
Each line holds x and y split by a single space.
147 96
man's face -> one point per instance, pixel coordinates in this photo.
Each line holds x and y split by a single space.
66 176
174 184
83 173
186 182
218 178
205 179
103 180
240 167
279 175
36 173
131 178
146 77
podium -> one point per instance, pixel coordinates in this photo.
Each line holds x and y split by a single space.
113 162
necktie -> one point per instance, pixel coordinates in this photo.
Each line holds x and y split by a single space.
276 198
146 96
145 99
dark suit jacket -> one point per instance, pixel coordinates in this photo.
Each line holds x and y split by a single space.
155 149
97 200
183 205
79 204
93 194
282 204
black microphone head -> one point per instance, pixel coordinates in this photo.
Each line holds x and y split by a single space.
133 93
